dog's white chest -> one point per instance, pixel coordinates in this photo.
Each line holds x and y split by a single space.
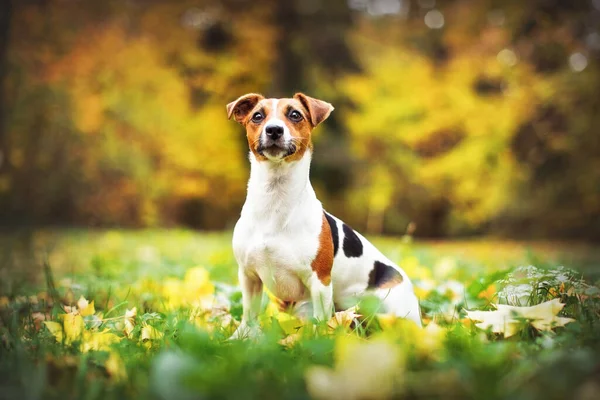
277 234
280 259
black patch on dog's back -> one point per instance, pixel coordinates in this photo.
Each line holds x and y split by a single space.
383 275
353 247
334 233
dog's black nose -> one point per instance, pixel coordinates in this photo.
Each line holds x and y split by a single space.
274 131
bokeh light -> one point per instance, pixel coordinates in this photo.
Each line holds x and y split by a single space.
578 62
434 19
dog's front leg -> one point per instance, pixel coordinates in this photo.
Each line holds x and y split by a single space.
322 298
251 302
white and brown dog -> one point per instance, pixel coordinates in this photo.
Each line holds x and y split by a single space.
284 239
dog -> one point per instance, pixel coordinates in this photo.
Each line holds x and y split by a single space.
284 239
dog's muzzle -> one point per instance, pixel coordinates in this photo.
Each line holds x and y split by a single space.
274 144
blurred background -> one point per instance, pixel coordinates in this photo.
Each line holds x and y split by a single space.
453 118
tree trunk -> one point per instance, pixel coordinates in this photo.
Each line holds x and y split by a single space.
5 17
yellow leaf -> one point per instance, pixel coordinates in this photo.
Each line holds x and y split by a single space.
508 319
196 277
413 268
85 308
271 310
217 319
274 306
355 375
288 323
423 287
488 293
151 333
386 321
73 327
290 340
115 367
55 329
173 292
130 320
426 342
432 340
343 319
98 341
198 287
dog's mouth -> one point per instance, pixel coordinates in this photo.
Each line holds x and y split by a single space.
274 150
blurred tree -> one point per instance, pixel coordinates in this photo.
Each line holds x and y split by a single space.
312 51
5 17
445 126
118 113
462 116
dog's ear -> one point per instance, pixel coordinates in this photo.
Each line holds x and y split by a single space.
319 110
242 106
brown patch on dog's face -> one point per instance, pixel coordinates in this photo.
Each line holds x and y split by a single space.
298 116
323 262
254 127
296 119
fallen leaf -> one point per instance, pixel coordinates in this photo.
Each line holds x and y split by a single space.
73 327
290 340
151 333
355 375
98 341
427 342
129 320
288 323
115 367
56 329
199 287
386 321
343 319
509 319
85 307
489 293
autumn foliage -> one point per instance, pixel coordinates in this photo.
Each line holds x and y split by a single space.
462 117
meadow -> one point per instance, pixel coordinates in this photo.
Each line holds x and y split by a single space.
118 314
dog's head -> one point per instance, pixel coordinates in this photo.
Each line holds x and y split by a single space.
279 129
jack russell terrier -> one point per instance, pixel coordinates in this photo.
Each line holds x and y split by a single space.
284 239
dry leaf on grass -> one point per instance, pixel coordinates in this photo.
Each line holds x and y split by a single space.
356 375
85 307
151 333
129 320
343 318
509 319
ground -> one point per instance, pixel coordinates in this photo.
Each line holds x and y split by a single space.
146 314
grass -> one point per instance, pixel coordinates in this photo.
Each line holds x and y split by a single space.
182 285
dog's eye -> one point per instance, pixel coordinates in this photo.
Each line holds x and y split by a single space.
295 116
257 117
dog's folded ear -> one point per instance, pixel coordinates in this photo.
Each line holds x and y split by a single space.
319 110
240 108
